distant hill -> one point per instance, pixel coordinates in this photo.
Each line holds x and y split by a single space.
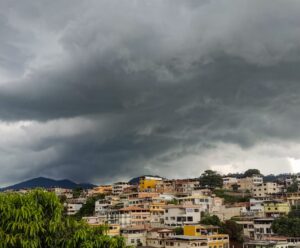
43 182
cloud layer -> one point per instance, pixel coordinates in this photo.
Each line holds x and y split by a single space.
106 90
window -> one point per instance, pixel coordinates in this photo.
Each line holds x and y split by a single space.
190 218
196 210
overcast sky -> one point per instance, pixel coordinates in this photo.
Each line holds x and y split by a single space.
99 91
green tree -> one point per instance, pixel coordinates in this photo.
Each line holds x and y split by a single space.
287 226
251 172
293 187
77 192
211 220
178 230
35 220
89 207
211 179
235 187
234 230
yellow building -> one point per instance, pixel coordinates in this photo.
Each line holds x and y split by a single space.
276 208
215 240
113 230
148 183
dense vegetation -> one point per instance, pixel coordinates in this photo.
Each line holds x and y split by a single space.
287 226
230 198
35 220
211 179
229 227
89 207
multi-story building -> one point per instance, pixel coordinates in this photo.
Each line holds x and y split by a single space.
262 227
149 183
248 227
129 216
119 187
276 208
102 206
265 189
180 215
156 236
157 210
186 186
249 182
204 201
73 208
228 182
134 235
215 240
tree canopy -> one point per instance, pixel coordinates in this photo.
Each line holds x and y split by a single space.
211 179
211 220
89 207
35 220
251 172
287 226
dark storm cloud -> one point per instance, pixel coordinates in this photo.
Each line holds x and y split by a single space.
110 90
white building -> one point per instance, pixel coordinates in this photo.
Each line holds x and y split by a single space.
262 227
101 207
73 208
179 215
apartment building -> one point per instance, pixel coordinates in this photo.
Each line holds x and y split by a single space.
243 184
129 216
180 215
157 210
119 187
102 206
149 183
265 189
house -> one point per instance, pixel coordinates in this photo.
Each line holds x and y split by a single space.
215 240
265 244
276 208
119 187
262 227
156 236
184 241
179 215
134 235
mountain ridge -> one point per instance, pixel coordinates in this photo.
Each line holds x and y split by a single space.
44 182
